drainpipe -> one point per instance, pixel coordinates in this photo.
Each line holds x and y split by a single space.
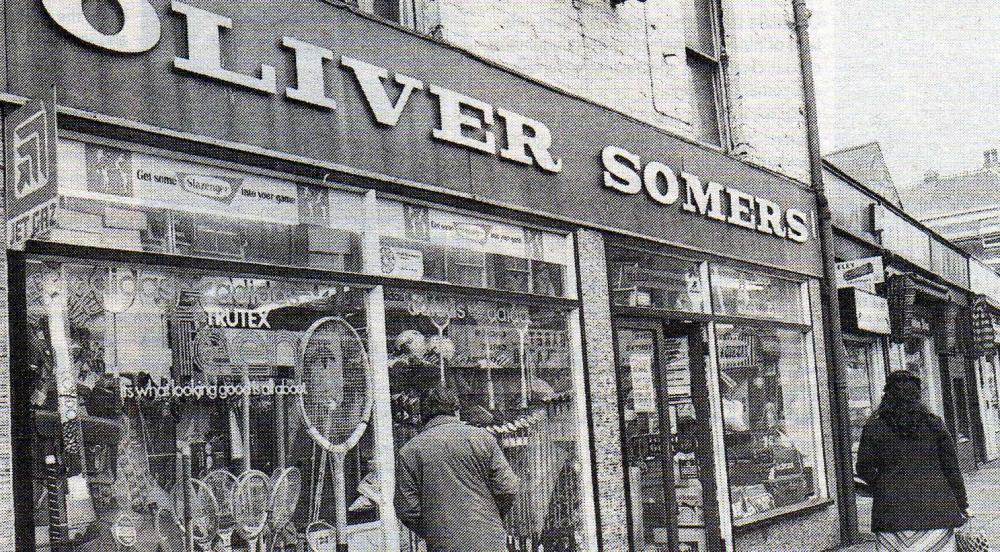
835 352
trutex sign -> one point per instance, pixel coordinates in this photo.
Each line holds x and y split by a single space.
464 121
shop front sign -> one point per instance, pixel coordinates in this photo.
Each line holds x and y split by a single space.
30 188
861 273
865 311
624 172
464 121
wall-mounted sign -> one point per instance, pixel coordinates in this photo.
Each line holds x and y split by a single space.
864 311
624 172
403 262
861 273
30 183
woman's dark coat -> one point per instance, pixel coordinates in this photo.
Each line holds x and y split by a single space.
915 481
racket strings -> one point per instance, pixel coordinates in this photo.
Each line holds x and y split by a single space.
250 502
285 496
335 375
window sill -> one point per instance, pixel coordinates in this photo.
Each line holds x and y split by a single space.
780 514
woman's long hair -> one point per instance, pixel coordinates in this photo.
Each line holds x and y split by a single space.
901 407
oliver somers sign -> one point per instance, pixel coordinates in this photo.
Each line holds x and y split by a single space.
463 121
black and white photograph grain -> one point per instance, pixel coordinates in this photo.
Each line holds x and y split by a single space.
500 276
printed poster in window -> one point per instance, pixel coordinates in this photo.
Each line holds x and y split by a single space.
643 389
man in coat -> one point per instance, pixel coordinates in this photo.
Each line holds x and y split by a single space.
453 483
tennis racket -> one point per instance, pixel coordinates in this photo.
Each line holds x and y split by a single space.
285 492
322 537
204 515
222 483
250 503
337 406
169 530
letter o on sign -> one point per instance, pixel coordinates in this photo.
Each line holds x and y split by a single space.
139 33
651 177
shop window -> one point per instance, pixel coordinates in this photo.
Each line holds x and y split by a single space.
770 416
640 279
754 295
129 200
511 366
424 243
154 389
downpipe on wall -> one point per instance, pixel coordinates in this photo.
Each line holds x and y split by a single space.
836 355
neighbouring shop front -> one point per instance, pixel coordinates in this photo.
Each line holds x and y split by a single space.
985 319
932 332
230 291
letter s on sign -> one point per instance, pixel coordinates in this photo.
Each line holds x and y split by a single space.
139 33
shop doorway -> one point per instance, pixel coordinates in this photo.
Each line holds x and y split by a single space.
666 435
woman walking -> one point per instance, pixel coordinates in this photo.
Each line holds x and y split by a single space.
907 457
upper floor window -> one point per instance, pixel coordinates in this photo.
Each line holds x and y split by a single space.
398 11
703 49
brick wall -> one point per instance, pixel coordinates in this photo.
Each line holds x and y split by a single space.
603 391
632 58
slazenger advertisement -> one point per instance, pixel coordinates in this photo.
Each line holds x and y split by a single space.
115 175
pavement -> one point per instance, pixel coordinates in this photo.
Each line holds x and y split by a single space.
983 488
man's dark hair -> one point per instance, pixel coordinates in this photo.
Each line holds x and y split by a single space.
439 401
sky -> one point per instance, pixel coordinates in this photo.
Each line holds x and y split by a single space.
922 78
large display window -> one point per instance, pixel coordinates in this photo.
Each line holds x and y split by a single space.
770 417
169 405
123 199
512 366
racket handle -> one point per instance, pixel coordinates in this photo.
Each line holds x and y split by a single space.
340 492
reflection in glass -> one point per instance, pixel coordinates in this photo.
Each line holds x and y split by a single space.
641 279
742 293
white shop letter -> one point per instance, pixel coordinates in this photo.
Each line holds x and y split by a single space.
140 27
310 81
617 174
205 54
741 208
519 144
769 215
706 200
370 79
453 121
651 178
798 228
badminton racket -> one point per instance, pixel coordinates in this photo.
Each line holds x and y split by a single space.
221 483
337 405
250 503
522 332
322 537
441 323
169 530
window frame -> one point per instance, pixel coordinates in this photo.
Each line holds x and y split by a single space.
717 63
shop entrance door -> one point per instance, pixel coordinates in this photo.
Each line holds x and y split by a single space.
666 435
